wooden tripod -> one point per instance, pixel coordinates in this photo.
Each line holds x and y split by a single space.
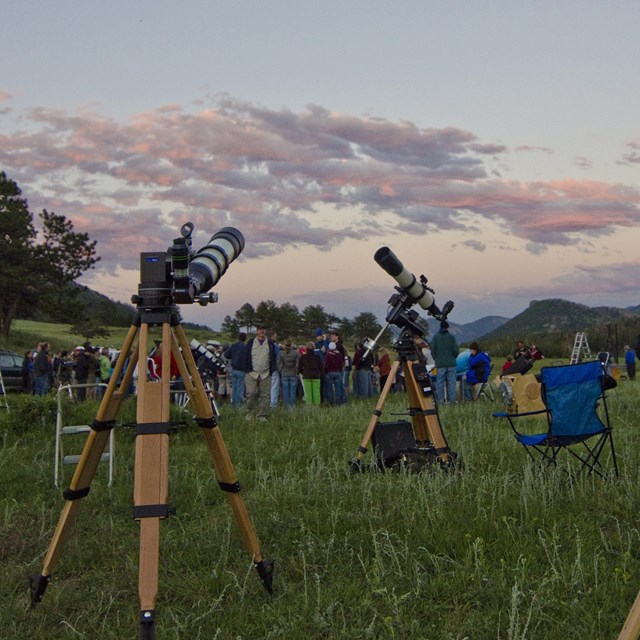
151 457
422 408
631 628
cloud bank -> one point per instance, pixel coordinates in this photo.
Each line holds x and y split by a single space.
271 173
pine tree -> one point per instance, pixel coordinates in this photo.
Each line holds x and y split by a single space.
32 273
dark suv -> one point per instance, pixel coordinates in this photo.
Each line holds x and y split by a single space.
11 368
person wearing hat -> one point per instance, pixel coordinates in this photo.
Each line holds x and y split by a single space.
260 363
333 365
321 343
444 349
83 362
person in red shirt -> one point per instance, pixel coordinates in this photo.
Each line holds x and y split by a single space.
333 366
174 372
384 366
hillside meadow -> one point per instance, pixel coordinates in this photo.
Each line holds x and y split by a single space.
26 334
497 549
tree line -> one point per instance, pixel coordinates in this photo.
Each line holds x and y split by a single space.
301 325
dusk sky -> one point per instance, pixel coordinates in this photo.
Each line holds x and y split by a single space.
494 146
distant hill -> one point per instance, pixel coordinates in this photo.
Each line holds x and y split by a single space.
80 300
116 313
552 323
552 326
465 333
119 313
556 315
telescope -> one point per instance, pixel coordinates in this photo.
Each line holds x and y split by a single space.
417 292
180 275
206 361
409 292
421 441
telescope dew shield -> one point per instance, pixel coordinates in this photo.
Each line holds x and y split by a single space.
210 263
407 281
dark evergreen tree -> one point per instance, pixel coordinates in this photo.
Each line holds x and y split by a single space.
267 314
289 321
230 326
314 317
246 317
365 325
33 273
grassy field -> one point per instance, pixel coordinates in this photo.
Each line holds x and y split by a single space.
26 334
496 550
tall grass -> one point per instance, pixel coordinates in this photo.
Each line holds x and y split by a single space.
498 549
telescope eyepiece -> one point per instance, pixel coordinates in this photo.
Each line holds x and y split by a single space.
186 229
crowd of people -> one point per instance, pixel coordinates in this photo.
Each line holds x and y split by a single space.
260 373
85 368
265 372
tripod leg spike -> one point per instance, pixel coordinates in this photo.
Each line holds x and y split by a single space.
147 624
265 571
38 585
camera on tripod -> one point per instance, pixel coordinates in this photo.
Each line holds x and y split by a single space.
181 275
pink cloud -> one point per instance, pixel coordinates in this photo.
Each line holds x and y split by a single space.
244 164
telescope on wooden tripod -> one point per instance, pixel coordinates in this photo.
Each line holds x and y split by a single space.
166 278
421 442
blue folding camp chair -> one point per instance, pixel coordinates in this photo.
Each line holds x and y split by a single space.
576 414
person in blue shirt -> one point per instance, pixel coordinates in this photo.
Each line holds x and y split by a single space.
478 372
630 361
236 354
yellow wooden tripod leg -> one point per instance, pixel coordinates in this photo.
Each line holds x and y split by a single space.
426 423
151 473
631 629
377 412
218 453
86 468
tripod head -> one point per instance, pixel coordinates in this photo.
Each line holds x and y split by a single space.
181 276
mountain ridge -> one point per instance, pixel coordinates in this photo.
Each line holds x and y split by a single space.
541 317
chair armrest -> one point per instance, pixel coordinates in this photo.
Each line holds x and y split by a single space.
510 417
519 415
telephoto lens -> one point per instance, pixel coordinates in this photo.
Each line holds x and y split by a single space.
210 263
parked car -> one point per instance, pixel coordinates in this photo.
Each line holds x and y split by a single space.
11 369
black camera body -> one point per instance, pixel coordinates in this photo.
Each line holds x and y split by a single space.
182 276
